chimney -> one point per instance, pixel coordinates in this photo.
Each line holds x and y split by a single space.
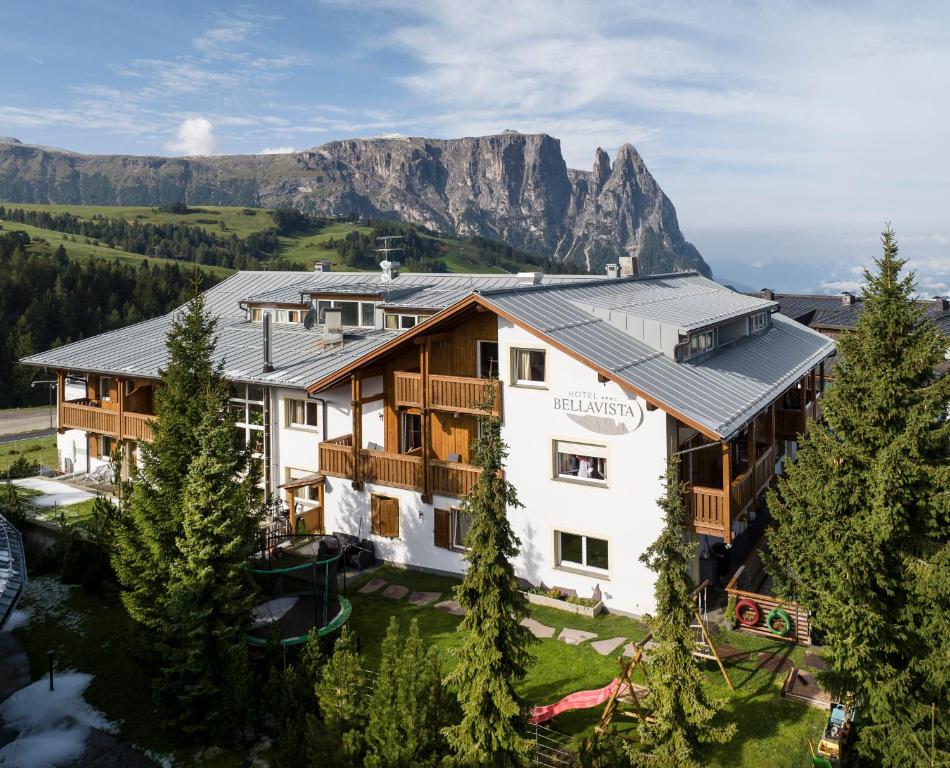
847 298
767 293
613 270
333 326
268 364
530 278
628 266
942 303
390 270
324 265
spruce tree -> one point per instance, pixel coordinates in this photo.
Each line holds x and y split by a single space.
210 594
409 705
494 654
339 738
682 711
863 523
147 534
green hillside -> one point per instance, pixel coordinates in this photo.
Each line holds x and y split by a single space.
300 241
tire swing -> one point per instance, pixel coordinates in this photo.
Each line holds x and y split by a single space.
778 622
747 613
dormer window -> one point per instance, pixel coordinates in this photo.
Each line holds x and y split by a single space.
356 314
758 322
700 343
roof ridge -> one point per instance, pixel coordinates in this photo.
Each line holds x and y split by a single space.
605 280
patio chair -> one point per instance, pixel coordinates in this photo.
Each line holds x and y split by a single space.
100 475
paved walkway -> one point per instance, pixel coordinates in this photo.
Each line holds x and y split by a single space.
16 421
55 492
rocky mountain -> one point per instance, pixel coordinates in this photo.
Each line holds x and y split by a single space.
512 187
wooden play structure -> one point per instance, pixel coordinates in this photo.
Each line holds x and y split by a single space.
761 613
627 692
704 646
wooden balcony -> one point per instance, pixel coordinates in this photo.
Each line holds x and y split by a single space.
453 394
137 426
106 421
396 470
791 422
707 505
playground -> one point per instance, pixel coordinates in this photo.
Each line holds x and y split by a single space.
772 730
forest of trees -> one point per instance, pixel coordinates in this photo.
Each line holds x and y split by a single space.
47 300
169 241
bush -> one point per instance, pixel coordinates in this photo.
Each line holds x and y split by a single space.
12 505
177 207
85 562
20 467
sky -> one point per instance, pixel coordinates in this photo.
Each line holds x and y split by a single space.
787 134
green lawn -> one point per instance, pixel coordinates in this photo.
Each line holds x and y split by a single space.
771 731
305 248
40 449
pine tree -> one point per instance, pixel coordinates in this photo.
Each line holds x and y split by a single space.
210 595
494 653
864 523
146 538
409 706
682 711
339 738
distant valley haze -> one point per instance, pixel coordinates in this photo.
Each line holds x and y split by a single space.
787 135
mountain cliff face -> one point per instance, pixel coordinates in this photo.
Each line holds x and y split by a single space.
512 187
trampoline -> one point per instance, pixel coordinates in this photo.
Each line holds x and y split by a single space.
297 576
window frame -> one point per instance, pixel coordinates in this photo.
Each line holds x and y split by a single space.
478 358
583 568
325 304
709 343
514 378
289 423
104 396
107 455
592 482
454 514
305 502
758 322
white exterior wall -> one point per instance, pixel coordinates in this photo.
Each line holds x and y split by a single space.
624 512
72 444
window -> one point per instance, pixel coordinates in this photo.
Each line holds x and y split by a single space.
257 314
385 517
701 342
758 322
402 322
302 413
580 461
355 314
308 496
410 437
574 550
451 528
488 359
106 446
527 367
288 316
105 387
252 430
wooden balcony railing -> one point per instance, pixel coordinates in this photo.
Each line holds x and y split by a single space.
708 510
90 418
455 394
137 426
336 456
397 470
764 471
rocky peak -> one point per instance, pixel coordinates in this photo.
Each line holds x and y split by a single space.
601 169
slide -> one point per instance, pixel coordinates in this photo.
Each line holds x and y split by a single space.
578 700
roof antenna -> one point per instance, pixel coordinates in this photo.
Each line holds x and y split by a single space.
389 244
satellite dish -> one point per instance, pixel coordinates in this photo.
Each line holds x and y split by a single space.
310 319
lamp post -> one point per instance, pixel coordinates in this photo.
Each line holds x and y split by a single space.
52 388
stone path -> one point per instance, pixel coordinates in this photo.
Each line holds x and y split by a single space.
539 630
395 591
424 598
450 606
606 647
773 662
575 636
372 585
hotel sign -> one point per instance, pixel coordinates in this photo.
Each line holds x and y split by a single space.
600 413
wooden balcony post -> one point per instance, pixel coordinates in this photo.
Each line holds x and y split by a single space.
772 409
356 385
120 396
750 441
802 392
60 396
425 419
726 492
821 375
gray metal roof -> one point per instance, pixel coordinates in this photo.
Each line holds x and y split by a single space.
722 392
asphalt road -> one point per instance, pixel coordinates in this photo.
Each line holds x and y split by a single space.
27 435
19 421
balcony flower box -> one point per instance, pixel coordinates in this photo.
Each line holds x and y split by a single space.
564 602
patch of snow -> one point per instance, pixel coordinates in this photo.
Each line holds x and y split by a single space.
55 493
19 618
45 598
51 726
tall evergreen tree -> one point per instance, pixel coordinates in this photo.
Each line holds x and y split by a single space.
146 538
864 523
339 738
682 711
210 595
494 654
409 705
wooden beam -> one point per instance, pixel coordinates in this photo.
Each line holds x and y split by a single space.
356 384
425 420
726 492
750 442
60 396
373 398
120 396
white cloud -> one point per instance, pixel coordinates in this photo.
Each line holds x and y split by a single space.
195 136
276 151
